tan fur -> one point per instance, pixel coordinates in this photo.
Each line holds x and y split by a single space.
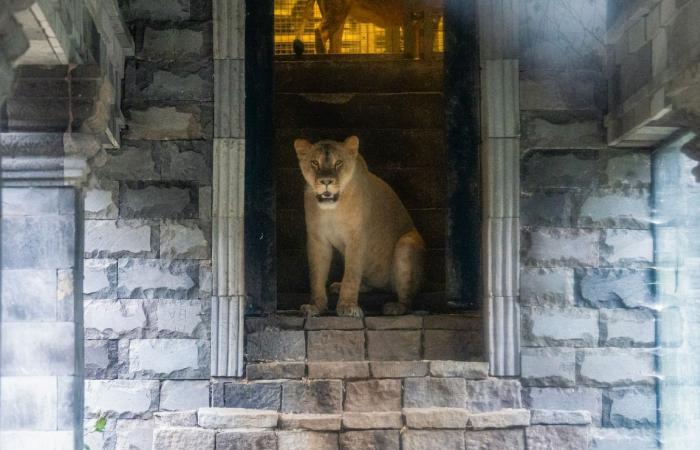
367 224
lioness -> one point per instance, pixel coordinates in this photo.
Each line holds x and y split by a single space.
350 209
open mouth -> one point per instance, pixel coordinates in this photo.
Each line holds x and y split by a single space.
327 197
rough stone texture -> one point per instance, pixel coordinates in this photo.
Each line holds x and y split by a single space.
456 345
276 345
318 396
165 123
305 440
440 418
339 369
246 440
631 407
621 439
505 418
100 278
448 322
545 437
495 440
393 345
275 370
629 247
613 288
235 418
572 399
548 366
461 369
546 208
370 440
333 323
160 200
545 286
492 394
542 327
169 358
175 419
184 240
35 348
179 395
331 345
430 440
134 434
253 395
183 439
29 295
154 278
434 392
398 369
101 359
394 323
373 395
311 422
124 399
276 322
559 417
372 420
114 319
179 318
627 328
560 247
116 239
101 202
616 367
615 209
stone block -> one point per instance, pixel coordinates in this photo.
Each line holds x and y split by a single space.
434 392
184 240
542 327
505 418
571 399
513 439
311 422
134 161
544 437
276 345
29 403
37 348
459 345
333 323
393 345
65 295
615 209
632 407
115 239
236 418
332 345
430 440
158 200
253 395
123 399
319 396
38 242
94 439
339 370
174 83
615 367
205 202
460 369
370 440
275 370
100 278
627 328
162 123
179 318
168 10
622 439
276 322
156 278
373 395
246 440
179 395
114 319
185 160
492 395
410 322
134 434
29 295
372 420
439 418
615 288
22 201
449 322
627 247
564 129
101 201
560 247
545 286
305 440
165 419
628 169
169 358
101 359
547 208
177 438
548 366
559 417
175 44
398 369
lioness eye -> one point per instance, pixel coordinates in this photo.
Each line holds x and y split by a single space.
314 163
338 164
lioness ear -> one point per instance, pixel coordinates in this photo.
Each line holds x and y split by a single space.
352 144
301 146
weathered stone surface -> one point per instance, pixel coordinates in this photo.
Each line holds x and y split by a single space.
36 349
548 366
246 440
546 208
615 209
132 162
616 367
312 397
434 392
169 358
630 247
560 247
305 440
622 439
542 326
166 200
253 395
339 369
459 345
29 295
398 369
613 288
545 437
184 240
275 370
492 394
545 286
373 395
109 238
311 422
124 399
461 369
236 418
100 278
276 345
179 318
174 43
372 420
101 202
331 345
430 440
632 407
38 242
100 359
179 395
134 434
572 399
559 417
177 438
155 278
393 345
93 439
161 10
173 83
631 169
513 439
394 323
277 322
25 401
185 161
333 323
370 440
439 418
505 418
448 322
45 440
628 328
114 319
165 123
175 419
557 129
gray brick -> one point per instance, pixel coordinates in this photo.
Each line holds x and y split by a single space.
393 345
542 327
100 278
277 322
305 440
628 247
560 247
29 295
38 242
99 441
429 440
246 440
173 44
543 437
184 240
169 200
631 169
331 345
547 208
492 394
457 345
179 318
173 83
182 121
623 439
543 286
101 201
461 369
35 349
158 10
627 328
631 407
101 357
276 345
124 399
29 403
155 278
612 288
434 392
505 418
339 369
333 323
495 439
410 322
114 319
169 358
615 209
615 367
548 366
372 420
559 417
108 238
579 398
180 395
236 418
21 201
311 422
372 439
253 395
134 434
319 396
183 439
373 395
175 419
436 418
275 370
398 369
133 161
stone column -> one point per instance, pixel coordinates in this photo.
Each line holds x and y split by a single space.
498 24
41 358
228 300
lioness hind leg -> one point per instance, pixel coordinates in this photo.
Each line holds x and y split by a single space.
407 272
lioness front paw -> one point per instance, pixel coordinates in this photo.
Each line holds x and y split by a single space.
349 311
311 310
395 309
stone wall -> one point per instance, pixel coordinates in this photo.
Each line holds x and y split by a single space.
147 249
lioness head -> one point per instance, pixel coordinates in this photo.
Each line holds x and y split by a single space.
327 167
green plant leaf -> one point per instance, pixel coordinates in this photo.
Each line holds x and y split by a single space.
101 424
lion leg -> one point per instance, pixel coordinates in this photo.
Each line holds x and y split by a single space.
336 286
321 37
320 256
352 279
336 40
407 272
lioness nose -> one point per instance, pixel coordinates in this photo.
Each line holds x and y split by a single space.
325 181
